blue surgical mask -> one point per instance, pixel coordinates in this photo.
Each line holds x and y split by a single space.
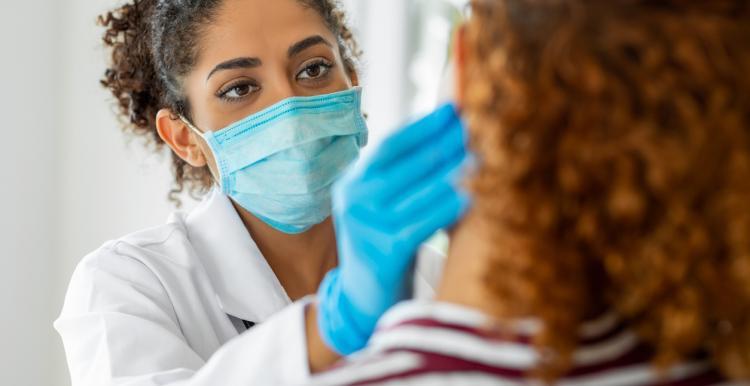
280 163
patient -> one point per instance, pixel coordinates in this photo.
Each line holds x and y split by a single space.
609 242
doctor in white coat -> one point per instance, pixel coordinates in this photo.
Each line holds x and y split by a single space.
259 102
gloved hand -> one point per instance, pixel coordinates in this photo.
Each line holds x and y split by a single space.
383 211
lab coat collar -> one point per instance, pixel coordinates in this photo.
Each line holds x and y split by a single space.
246 286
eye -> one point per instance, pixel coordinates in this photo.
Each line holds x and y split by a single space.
315 70
237 91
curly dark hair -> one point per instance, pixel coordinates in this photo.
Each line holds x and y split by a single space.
153 43
615 146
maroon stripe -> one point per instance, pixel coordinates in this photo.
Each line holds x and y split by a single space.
438 364
640 354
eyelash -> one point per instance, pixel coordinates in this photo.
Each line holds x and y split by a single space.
233 86
317 63
244 83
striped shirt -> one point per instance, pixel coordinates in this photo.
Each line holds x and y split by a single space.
423 343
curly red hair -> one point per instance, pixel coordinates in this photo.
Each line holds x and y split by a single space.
614 139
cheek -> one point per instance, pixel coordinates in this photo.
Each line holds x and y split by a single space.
342 78
343 73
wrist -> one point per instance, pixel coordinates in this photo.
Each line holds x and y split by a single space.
372 296
319 355
342 325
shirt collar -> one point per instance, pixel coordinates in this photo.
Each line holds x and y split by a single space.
246 286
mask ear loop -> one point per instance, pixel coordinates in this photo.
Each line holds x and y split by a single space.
190 125
200 134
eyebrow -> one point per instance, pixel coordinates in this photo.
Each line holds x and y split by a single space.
295 49
235 63
302 45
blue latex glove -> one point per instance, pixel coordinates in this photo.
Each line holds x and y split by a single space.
383 211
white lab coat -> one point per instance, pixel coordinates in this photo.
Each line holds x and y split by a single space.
164 307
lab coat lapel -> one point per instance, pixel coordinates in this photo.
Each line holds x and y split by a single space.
246 286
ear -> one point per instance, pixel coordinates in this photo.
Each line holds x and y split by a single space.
459 45
180 138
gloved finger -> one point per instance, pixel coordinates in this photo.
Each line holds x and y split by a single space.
368 228
445 147
422 174
449 174
439 217
422 166
408 229
410 205
411 137
377 230
424 201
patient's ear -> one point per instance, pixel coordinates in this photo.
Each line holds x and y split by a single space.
459 45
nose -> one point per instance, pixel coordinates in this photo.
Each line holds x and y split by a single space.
279 87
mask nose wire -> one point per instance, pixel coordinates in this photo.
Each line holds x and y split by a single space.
200 135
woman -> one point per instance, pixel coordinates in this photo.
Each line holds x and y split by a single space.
259 99
609 239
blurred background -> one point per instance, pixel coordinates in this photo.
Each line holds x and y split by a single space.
72 180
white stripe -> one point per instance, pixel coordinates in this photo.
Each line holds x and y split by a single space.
632 376
439 312
455 314
599 327
607 350
452 379
629 376
456 344
635 375
504 354
369 367
448 313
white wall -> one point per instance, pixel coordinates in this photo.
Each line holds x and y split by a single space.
109 185
405 46
28 178
381 27
71 181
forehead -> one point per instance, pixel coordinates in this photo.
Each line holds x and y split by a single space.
259 28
